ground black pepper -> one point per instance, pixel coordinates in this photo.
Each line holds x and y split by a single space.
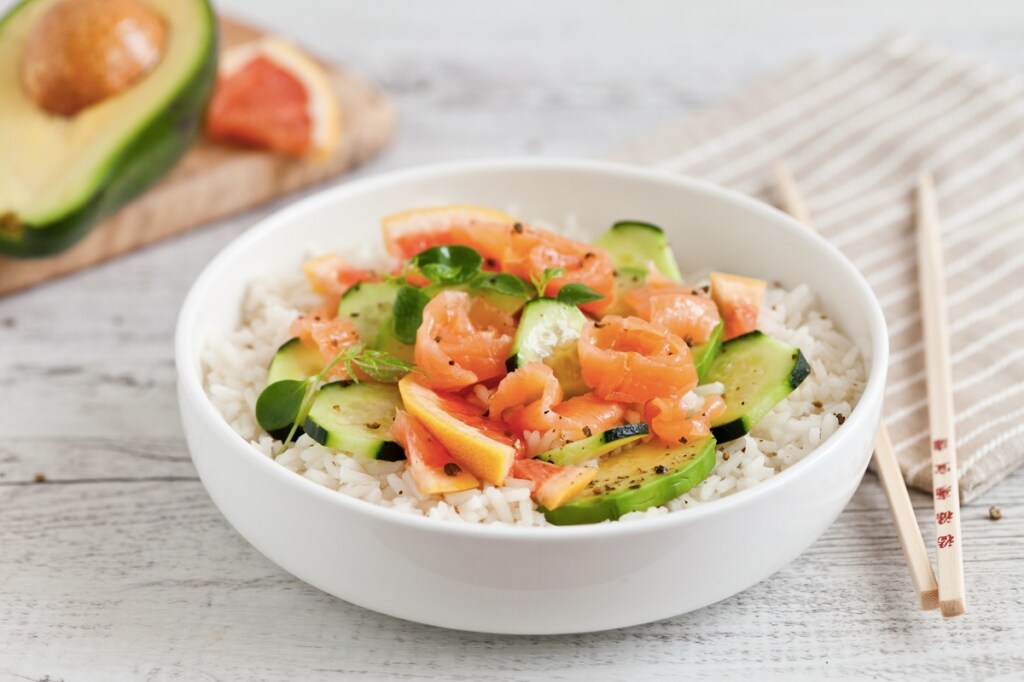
452 469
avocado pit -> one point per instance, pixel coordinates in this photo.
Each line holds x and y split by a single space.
83 51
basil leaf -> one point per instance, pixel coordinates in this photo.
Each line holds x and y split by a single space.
407 313
576 293
503 283
449 264
279 404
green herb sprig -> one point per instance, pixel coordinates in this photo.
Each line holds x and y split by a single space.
541 283
287 403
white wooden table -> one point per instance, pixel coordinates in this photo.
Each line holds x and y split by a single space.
119 567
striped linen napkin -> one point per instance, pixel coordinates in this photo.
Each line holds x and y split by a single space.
856 134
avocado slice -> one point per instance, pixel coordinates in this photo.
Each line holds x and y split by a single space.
61 175
641 477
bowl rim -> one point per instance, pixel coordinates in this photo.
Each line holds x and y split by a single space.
190 382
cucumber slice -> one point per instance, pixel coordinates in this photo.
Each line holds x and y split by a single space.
368 304
627 278
387 341
295 360
547 332
596 445
644 476
356 418
634 244
757 372
510 304
704 354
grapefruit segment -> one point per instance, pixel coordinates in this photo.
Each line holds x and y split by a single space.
270 94
330 275
433 469
482 229
553 485
479 445
739 301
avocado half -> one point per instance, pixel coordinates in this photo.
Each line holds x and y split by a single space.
60 176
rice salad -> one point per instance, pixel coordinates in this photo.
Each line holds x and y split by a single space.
539 357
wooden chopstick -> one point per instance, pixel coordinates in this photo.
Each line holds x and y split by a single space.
886 465
945 488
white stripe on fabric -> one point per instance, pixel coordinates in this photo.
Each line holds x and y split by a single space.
881 100
967 414
960 263
993 276
899 191
999 365
964 321
923 137
989 426
905 137
974 347
984 450
859 70
1002 224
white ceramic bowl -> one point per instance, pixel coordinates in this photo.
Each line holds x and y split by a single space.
528 580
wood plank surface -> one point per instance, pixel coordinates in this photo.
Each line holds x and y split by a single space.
214 180
119 567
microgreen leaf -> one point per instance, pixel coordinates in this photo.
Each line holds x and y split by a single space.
576 293
453 264
407 312
280 403
503 283
542 282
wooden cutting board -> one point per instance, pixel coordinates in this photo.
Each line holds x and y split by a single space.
216 180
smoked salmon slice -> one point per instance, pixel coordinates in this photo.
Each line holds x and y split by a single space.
462 340
630 360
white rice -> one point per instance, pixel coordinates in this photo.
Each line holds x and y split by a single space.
235 371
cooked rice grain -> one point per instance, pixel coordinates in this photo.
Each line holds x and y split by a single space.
235 371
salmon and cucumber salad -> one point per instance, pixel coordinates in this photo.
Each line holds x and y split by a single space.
493 370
